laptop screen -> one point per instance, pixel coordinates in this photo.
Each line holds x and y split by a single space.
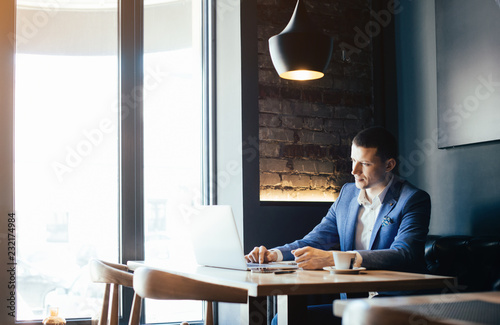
216 241
215 237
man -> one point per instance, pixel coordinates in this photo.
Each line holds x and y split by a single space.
381 217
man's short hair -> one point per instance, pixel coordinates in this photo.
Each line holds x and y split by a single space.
379 138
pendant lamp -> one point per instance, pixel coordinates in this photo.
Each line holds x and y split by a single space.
301 51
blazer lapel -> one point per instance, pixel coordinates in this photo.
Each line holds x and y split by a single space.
350 224
390 200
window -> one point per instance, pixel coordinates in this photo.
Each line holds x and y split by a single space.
172 140
66 178
66 153
70 162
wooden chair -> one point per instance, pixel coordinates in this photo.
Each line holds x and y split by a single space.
361 313
156 284
114 275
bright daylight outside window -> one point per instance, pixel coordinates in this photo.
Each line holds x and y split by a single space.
172 139
66 153
67 147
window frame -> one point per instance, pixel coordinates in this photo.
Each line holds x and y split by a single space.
131 192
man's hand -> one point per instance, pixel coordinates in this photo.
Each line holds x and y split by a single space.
312 258
261 255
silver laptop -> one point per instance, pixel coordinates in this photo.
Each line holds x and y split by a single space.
216 242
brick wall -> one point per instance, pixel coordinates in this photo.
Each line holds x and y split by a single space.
306 127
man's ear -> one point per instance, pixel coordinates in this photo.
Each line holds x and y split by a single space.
390 164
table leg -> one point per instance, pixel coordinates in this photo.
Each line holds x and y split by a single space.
292 310
256 311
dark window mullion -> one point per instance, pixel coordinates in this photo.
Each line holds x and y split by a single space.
209 104
131 135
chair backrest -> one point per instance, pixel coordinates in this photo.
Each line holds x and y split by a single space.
156 284
114 276
362 313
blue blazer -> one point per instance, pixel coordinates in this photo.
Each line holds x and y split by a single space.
398 237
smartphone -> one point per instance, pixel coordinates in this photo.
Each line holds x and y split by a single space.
271 270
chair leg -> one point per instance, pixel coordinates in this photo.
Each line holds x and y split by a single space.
103 320
135 313
113 319
209 314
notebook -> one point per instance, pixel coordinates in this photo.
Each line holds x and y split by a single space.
216 241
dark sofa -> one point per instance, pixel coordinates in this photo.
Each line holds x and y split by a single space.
473 260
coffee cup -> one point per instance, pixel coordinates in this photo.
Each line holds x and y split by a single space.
344 260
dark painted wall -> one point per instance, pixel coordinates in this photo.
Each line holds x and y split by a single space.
463 181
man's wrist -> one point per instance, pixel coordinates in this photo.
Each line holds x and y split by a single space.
359 259
279 255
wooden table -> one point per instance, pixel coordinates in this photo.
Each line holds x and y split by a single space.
291 288
433 304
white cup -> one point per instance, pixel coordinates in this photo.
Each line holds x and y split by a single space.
344 260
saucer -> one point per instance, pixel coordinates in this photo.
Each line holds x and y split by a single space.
355 270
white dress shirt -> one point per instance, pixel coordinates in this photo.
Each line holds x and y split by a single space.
367 215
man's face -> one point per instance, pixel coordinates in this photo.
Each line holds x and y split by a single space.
368 169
